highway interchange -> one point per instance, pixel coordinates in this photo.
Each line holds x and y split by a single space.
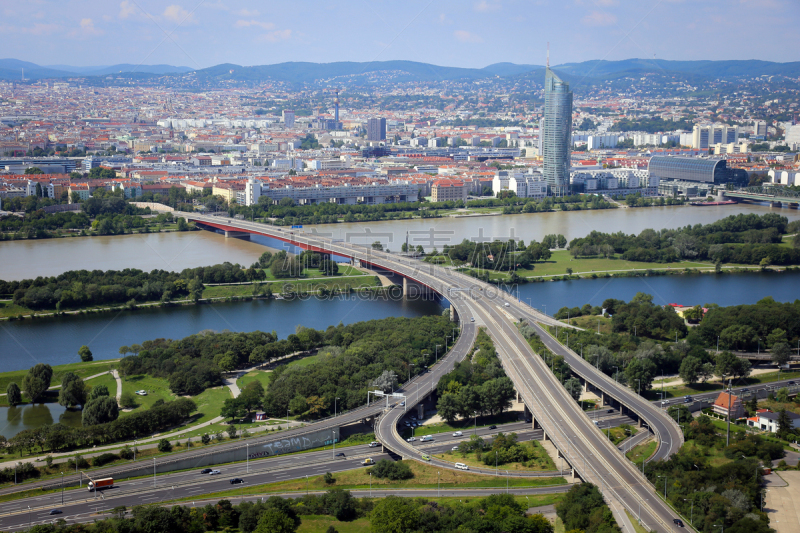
579 440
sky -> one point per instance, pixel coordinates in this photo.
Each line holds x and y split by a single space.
461 33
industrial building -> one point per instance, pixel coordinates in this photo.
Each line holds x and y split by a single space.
714 171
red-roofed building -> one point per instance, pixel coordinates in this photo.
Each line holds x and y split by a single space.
724 400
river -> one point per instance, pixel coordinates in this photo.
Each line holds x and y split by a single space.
176 251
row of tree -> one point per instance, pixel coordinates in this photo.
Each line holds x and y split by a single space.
746 239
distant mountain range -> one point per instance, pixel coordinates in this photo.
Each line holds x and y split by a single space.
11 69
342 72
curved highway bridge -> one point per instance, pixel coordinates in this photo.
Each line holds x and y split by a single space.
590 454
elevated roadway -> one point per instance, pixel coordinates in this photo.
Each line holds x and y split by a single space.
572 432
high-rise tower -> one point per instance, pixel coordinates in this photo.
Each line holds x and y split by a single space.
336 108
556 132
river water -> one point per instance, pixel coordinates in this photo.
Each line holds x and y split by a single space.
56 340
176 251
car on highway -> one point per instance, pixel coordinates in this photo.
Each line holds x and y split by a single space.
790 383
492 427
214 472
458 434
403 403
687 399
507 304
407 423
236 481
454 449
374 444
412 439
426 457
426 438
340 454
55 511
472 319
745 390
205 471
665 402
462 466
678 522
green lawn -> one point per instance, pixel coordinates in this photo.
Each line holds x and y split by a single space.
107 380
460 425
157 389
209 404
642 451
8 308
677 391
82 370
619 434
300 362
540 462
255 375
591 323
560 260
225 291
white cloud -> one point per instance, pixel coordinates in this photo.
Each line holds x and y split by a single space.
467 37
177 14
275 36
485 5
248 23
86 29
247 12
444 20
599 18
126 9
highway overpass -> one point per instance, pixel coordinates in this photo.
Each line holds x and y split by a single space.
580 442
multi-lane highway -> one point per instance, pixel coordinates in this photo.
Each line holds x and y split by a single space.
571 430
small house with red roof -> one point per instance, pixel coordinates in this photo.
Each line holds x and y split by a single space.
726 402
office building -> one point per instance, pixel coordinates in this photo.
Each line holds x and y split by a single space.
694 169
557 133
376 129
448 190
760 128
288 118
707 135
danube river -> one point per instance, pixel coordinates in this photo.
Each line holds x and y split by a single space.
176 251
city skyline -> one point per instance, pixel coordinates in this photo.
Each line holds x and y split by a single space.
445 33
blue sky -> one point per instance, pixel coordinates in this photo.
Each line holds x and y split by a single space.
465 33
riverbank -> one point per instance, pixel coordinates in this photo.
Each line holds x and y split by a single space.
228 292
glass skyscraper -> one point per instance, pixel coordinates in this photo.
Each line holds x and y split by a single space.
556 131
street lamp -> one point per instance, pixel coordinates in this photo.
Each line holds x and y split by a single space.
439 492
665 487
437 352
691 514
409 370
62 488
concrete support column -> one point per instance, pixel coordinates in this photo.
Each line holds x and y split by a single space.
602 398
405 287
237 234
420 410
639 423
518 398
453 314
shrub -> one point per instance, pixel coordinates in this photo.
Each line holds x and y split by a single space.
392 470
128 400
205 439
164 445
103 459
329 479
126 453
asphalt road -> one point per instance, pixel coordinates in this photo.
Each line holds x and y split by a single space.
571 430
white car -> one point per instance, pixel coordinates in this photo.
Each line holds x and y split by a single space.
454 449
412 439
214 472
141 392
458 434
373 444
462 466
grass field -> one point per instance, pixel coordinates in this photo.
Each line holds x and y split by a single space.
82 370
300 362
157 389
636 526
678 391
425 476
460 425
255 375
560 260
107 380
642 451
8 308
225 291
541 461
591 322
209 404
619 434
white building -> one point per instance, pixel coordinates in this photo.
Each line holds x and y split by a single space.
595 142
252 191
768 421
288 118
524 185
707 135
375 193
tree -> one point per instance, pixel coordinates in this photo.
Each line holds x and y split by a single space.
725 362
13 394
128 400
377 246
98 391
298 404
85 353
164 446
574 388
447 407
640 374
195 289
777 335
33 170
275 521
37 380
784 424
100 411
73 391
394 515
780 353
690 369
231 431
706 372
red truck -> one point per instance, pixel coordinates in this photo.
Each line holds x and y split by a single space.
105 483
